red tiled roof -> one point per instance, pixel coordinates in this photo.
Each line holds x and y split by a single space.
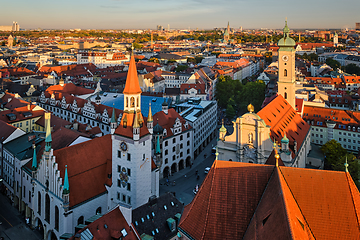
6 130
295 203
128 130
87 168
226 201
68 88
109 227
19 113
167 121
320 115
194 86
283 119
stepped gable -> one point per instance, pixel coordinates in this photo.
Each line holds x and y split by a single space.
226 201
326 201
87 168
61 138
132 82
283 119
167 121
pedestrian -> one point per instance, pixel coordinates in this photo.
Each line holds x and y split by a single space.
185 175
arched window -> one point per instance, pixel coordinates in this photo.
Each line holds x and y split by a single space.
285 95
47 208
132 102
81 220
137 102
127 102
39 203
285 73
98 210
56 218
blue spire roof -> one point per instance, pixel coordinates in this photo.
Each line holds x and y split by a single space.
66 182
158 151
34 162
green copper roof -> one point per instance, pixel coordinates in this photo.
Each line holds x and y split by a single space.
48 138
113 116
284 139
286 41
66 182
34 162
158 151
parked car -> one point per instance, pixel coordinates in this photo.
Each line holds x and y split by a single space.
207 169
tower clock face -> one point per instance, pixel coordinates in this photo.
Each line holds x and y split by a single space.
285 58
123 146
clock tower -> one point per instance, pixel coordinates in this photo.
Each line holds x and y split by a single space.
286 76
133 178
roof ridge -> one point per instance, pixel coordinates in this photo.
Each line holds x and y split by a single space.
207 209
262 195
352 198
292 194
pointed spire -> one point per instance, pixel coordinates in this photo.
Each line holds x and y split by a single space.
158 151
34 161
136 122
132 82
150 118
48 139
66 182
113 116
346 165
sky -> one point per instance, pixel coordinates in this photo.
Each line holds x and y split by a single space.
180 14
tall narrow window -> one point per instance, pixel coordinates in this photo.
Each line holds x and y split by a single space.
127 102
285 95
98 210
47 208
137 102
285 73
132 102
56 218
39 203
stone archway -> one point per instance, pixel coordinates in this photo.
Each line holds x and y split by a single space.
166 172
51 235
39 226
173 168
188 161
181 164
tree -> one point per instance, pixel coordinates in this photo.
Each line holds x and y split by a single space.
230 112
181 68
336 156
333 63
352 69
153 59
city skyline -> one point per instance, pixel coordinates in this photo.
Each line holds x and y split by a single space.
201 14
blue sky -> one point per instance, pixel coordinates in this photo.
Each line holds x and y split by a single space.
202 14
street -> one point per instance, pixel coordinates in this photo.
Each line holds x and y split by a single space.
12 225
184 186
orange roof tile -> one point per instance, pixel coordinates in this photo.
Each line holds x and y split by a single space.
132 82
283 119
295 203
87 179
325 201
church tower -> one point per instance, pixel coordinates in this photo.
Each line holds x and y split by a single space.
286 77
131 149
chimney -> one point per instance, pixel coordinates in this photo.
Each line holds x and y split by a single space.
76 126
